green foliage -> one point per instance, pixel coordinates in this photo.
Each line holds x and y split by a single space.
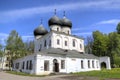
15 45
29 47
100 44
114 73
88 47
1 51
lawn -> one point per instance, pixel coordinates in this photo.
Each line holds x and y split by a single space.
113 73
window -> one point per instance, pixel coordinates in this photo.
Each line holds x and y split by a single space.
40 47
88 64
57 29
27 65
97 64
68 32
58 41
82 64
46 65
93 64
23 65
65 43
73 43
62 64
6 65
30 66
80 46
45 43
7 58
50 43
17 65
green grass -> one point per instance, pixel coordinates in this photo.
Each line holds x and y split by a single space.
113 73
24 74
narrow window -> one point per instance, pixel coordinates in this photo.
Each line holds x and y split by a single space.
27 65
45 43
57 29
30 66
88 64
65 43
80 46
68 32
23 65
46 65
40 47
82 64
73 43
58 41
62 64
93 64
50 43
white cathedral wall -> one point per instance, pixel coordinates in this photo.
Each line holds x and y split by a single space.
70 39
66 30
74 65
41 40
25 59
53 37
55 27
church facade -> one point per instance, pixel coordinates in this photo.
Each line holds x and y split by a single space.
58 51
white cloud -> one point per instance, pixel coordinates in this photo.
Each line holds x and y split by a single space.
4 36
28 12
112 21
27 37
82 33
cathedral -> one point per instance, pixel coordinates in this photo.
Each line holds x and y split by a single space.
58 51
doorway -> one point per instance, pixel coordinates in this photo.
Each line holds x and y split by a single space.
55 65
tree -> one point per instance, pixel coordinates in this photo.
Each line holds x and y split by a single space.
1 51
15 45
29 47
89 45
118 28
100 44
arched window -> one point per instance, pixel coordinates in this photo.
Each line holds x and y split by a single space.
73 43
68 32
58 41
80 46
65 43
57 29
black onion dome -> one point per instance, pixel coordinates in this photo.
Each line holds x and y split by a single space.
40 31
66 22
54 21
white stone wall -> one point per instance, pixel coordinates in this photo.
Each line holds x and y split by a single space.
25 59
53 37
66 30
55 28
106 60
74 65
69 39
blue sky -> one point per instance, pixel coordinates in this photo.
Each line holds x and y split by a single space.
86 16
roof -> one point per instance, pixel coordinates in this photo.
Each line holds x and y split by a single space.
57 52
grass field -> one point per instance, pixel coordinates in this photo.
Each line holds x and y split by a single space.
113 73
